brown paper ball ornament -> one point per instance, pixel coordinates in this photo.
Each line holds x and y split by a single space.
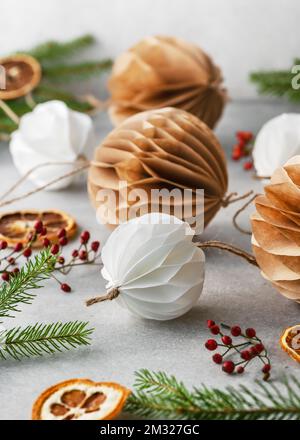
22 75
166 148
163 71
276 230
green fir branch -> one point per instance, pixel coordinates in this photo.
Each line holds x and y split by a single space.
159 395
276 83
19 289
45 93
56 51
71 72
41 339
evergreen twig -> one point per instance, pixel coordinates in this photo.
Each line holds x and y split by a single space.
159 395
55 51
70 72
30 277
40 339
276 83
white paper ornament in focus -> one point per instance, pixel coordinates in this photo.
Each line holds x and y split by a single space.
51 133
277 141
156 268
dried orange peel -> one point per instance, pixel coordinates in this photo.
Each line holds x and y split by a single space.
290 342
15 227
22 74
80 399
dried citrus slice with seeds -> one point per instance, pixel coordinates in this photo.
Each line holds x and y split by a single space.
290 342
22 75
15 227
80 399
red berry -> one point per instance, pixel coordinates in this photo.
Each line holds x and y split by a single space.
54 249
215 329
95 246
244 136
253 351
240 370
61 260
43 232
226 340
84 237
5 276
3 245
259 348
211 344
46 242
63 241
248 165
83 255
16 270
27 252
237 152
18 247
11 260
38 226
250 332
62 233
217 358
245 354
236 330
266 368
228 367
65 287
210 323
75 253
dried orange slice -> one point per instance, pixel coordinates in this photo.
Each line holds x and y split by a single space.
80 399
22 74
290 342
16 226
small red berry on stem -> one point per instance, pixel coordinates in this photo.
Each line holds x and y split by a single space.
228 367
65 288
250 332
5 276
210 323
83 255
217 358
236 330
75 253
215 329
266 368
84 237
63 241
245 354
18 247
244 136
54 249
27 252
259 347
211 344
38 226
95 246
240 370
3 245
226 340
46 242
62 233
43 232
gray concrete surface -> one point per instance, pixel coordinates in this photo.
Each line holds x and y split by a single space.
234 292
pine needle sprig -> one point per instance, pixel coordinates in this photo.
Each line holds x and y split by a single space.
276 83
70 72
40 339
55 51
30 277
159 395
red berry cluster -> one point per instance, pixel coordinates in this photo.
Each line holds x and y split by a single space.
246 352
243 148
86 253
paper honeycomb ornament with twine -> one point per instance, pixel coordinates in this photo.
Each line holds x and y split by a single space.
163 71
276 230
160 149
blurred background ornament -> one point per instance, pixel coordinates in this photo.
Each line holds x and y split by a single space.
277 141
276 230
165 71
160 149
152 267
51 134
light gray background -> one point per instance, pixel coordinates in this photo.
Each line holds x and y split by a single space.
234 292
242 35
